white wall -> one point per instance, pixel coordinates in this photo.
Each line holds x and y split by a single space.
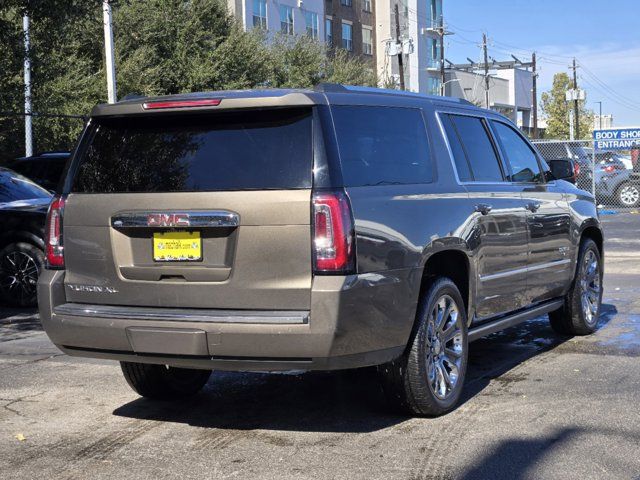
411 26
273 14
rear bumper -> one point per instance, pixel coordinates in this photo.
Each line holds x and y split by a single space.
354 321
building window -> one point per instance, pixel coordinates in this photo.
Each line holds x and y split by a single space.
433 86
433 61
434 14
311 23
286 19
366 5
367 41
260 14
347 36
346 3
328 32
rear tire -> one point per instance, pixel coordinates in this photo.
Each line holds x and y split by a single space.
20 267
162 382
579 314
428 378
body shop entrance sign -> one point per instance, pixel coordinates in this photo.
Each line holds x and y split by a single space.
616 139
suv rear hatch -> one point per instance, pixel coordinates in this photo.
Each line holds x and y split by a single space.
199 210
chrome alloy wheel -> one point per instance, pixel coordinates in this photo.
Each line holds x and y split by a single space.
590 287
629 195
18 275
444 347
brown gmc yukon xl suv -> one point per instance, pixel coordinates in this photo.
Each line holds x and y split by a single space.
317 229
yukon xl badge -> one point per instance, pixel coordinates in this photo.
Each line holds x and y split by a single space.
92 288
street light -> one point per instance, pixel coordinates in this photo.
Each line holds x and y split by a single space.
599 116
444 84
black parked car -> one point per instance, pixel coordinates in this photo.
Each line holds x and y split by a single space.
45 168
23 209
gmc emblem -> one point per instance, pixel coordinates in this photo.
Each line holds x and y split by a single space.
168 220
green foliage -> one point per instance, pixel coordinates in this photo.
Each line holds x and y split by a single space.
162 47
556 108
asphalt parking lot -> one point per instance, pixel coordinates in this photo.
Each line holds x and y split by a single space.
536 406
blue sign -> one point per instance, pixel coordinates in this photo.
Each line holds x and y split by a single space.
616 139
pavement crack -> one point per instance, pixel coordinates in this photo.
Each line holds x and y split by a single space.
14 401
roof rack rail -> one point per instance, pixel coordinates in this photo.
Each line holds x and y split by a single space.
329 87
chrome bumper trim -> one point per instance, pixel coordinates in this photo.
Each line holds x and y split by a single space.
183 314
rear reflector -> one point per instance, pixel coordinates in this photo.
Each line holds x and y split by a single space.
53 235
211 102
333 233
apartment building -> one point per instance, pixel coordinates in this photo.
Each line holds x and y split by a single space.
350 24
421 33
290 17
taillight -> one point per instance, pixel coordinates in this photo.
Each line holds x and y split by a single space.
333 233
53 234
609 168
576 170
207 102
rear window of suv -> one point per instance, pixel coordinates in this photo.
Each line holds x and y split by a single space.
256 150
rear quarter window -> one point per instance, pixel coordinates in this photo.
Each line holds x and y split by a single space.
382 145
248 150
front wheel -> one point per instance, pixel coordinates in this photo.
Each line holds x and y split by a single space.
579 314
428 378
162 382
629 195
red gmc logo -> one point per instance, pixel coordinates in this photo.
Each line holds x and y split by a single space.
168 220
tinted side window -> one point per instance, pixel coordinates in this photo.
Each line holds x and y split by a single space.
459 157
523 161
481 156
382 146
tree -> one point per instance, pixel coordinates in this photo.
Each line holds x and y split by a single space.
162 47
556 108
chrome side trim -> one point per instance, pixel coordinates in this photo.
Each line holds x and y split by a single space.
183 314
201 219
518 271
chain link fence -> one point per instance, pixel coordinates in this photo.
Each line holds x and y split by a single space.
612 177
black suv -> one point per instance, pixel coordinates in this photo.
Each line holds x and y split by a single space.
45 168
297 229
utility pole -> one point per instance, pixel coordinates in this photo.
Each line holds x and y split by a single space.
28 125
486 70
443 76
576 117
534 105
398 42
108 52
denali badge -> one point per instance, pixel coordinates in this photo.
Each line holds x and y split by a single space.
92 288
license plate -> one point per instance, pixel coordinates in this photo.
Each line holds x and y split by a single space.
177 247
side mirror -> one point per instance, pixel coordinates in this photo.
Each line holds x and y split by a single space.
562 170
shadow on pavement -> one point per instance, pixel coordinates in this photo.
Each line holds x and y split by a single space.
19 320
515 458
348 401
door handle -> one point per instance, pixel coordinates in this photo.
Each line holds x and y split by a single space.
532 206
483 208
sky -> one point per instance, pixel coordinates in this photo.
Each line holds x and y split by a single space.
604 36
